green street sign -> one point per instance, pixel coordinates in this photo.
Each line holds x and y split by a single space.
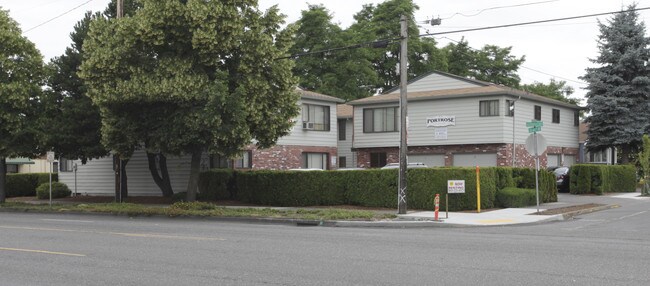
534 123
534 129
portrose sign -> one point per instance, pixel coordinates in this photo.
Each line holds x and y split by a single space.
456 186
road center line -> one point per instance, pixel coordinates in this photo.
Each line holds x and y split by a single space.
634 214
41 251
68 220
145 235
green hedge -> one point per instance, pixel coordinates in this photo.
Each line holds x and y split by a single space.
59 190
516 197
216 184
24 185
600 179
372 188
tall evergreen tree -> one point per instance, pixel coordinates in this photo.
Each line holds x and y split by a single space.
21 72
619 87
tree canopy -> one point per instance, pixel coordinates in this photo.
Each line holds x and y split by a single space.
185 77
555 89
618 88
21 71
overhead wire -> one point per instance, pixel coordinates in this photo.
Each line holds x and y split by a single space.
56 17
498 7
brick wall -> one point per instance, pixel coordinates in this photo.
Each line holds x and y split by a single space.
503 151
284 157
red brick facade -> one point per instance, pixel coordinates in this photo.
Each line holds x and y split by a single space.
503 151
284 157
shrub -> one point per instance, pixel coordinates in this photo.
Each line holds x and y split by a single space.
424 184
59 190
24 185
525 179
216 184
599 179
516 197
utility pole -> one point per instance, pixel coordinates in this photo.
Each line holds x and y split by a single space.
117 161
403 61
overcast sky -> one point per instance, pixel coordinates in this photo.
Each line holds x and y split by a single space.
559 49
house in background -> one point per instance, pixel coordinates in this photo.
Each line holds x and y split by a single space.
22 165
347 157
606 156
455 121
311 143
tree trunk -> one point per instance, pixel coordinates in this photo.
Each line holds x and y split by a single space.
160 178
625 154
121 186
193 184
3 179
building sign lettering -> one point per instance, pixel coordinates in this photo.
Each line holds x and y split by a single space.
441 121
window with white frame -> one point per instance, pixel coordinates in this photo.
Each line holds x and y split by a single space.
314 160
489 108
377 120
316 117
243 161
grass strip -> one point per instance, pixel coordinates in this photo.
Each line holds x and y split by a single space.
201 209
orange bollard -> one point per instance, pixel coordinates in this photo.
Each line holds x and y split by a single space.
436 203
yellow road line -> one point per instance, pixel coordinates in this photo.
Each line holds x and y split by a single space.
42 251
488 221
146 235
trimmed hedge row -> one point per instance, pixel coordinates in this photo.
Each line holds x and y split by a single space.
515 197
24 185
373 188
600 179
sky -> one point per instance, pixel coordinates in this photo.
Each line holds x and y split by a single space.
559 50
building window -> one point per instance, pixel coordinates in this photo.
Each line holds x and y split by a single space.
314 161
316 117
538 112
243 161
12 169
377 160
219 162
380 120
488 108
576 118
342 129
65 165
342 162
510 108
556 115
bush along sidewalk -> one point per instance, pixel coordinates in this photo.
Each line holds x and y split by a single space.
370 188
600 179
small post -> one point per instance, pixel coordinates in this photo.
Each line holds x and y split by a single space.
446 205
536 172
51 166
478 189
74 168
436 203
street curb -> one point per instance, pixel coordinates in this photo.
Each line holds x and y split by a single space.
571 215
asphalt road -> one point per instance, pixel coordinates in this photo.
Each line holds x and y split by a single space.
610 247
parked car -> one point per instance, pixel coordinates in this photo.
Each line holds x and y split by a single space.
413 165
561 178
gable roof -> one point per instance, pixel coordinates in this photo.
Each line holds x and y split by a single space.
344 111
489 90
318 96
456 77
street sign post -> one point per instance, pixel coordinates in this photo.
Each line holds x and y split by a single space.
535 145
50 159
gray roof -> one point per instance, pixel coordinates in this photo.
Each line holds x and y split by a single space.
318 96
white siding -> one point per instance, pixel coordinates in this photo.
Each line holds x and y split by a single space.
345 146
471 128
96 177
437 82
301 137
564 134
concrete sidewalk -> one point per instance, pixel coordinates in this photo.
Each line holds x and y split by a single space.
495 217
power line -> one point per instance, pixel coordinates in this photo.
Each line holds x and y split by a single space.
530 23
56 17
379 43
522 66
497 7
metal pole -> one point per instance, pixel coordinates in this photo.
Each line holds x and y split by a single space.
536 172
51 166
74 167
403 61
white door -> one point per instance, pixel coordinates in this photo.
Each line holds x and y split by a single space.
471 160
431 160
